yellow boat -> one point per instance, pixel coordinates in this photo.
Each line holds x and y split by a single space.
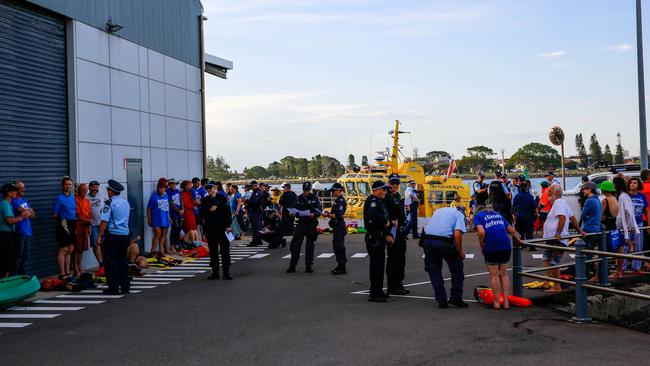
434 191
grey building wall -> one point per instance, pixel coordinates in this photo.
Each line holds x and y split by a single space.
170 27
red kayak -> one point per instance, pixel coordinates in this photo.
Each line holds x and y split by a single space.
484 295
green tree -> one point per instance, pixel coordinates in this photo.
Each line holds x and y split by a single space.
536 156
302 167
607 155
288 166
218 168
364 160
256 172
582 151
274 169
436 155
478 158
315 166
595 149
618 156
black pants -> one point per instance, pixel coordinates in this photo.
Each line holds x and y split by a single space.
525 227
175 232
303 230
412 224
435 251
338 243
218 243
288 223
274 239
255 217
396 261
6 248
376 246
116 264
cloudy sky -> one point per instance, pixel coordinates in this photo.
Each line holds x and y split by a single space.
331 76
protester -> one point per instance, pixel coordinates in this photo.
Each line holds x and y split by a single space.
645 176
543 206
7 222
176 212
65 214
84 221
198 192
158 218
641 210
525 212
500 195
96 204
23 230
590 220
236 209
189 214
556 226
626 223
411 204
443 240
495 244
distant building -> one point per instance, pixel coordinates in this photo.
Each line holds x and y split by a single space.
100 89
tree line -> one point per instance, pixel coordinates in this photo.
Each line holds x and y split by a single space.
288 167
596 154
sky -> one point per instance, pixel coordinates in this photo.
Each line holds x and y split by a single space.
330 77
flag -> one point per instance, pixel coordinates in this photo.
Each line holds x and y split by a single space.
526 172
452 167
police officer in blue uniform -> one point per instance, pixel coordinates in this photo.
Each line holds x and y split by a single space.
114 239
306 228
396 260
254 209
378 228
337 223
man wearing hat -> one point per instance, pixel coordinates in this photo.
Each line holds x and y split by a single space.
287 201
411 203
550 178
337 223
306 227
96 205
396 260
499 194
254 208
480 190
217 219
591 217
113 236
378 235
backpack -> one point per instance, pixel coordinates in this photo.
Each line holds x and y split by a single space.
52 284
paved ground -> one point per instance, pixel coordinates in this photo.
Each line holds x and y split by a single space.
268 317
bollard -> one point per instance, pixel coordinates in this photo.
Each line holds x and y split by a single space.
603 273
582 314
517 279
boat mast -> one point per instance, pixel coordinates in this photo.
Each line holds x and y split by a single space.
393 156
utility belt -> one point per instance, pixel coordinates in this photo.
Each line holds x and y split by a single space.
336 223
446 240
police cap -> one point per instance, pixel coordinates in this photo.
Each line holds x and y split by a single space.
379 185
253 182
394 178
115 186
286 185
306 186
336 187
552 174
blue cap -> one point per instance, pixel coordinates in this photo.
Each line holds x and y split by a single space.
379 185
115 186
306 186
544 183
394 178
336 187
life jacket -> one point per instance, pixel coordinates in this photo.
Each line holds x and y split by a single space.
484 295
497 195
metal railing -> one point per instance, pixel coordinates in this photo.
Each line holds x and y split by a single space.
580 263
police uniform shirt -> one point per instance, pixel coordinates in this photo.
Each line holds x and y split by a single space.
256 200
375 216
444 221
116 213
338 209
311 203
395 207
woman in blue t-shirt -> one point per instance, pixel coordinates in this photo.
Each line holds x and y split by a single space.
492 230
158 217
640 209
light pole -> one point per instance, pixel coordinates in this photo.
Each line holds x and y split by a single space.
503 160
639 61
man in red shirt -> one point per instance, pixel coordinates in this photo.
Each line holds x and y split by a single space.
645 177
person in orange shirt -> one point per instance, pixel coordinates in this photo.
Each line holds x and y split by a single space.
84 220
645 177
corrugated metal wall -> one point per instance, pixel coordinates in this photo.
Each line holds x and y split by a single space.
34 118
168 26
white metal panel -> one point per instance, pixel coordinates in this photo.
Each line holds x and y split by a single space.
94 122
144 94
125 127
143 60
174 72
93 82
146 165
157 131
195 164
144 129
156 66
194 106
175 102
125 89
119 154
159 163
195 136
156 97
176 133
193 78
177 163
94 162
124 55
91 43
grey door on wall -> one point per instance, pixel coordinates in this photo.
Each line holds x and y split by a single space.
135 198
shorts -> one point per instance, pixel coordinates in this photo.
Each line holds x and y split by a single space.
66 233
81 242
94 233
496 258
554 257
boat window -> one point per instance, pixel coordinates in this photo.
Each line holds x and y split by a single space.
377 176
362 176
351 189
449 196
364 189
435 197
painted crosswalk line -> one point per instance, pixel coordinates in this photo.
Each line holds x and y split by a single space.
70 302
14 325
45 308
469 256
133 286
90 296
359 255
154 283
325 255
173 277
102 291
181 271
28 316
258 256
150 278
537 256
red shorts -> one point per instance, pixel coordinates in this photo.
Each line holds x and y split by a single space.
83 235
189 221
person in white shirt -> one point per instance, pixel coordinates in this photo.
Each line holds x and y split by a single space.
411 204
556 226
625 222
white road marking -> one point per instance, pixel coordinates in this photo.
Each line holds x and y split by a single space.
172 277
28 316
572 255
326 255
359 255
140 283
132 287
158 279
537 256
258 256
413 297
45 308
469 256
89 296
102 291
288 256
181 271
14 325
70 302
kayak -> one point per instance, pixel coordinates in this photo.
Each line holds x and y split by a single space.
15 289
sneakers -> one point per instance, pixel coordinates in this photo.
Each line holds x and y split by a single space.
458 303
292 269
339 271
308 269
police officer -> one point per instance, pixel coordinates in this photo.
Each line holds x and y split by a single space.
378 227
254 209
480 190
499 194
217 219
114 239
306 227
337 223
287 201
267 201
396 260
